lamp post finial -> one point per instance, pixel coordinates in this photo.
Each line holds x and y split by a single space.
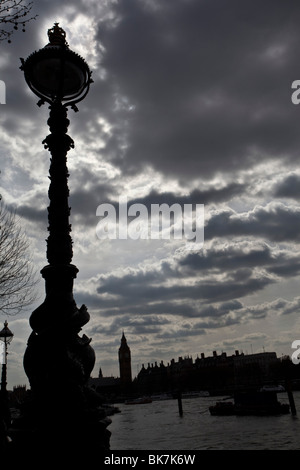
57 36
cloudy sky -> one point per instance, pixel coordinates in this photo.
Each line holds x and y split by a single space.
191 104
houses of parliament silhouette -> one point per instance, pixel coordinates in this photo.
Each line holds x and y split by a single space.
219 373
119 385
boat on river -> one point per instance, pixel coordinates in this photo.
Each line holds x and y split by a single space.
251 404
272 388
197 394
162 396
138 401
222 408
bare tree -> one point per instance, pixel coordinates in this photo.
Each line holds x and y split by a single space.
14 13
17 275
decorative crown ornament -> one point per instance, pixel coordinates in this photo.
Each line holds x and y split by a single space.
57 36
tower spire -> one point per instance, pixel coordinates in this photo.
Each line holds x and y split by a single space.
125 362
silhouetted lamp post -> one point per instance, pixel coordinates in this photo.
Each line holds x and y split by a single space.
57 361
6 336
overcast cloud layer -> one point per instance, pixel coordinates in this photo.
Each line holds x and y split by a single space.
191 104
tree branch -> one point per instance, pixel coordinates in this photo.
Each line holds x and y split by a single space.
14 13
17 274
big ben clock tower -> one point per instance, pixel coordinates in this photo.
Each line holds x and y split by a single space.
125 362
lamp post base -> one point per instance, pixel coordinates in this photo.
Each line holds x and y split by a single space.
63 412
60 430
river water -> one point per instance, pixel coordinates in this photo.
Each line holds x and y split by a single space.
159 426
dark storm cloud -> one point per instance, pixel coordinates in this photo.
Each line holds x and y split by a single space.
289 187
84 201
182 333
208 83
275 222
196 196
291 307
227 259
289 268
187 90
208 285
137 325
231 313
38 216
238 260
149 293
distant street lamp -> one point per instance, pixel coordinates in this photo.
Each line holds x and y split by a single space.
57 361
5 417
6 336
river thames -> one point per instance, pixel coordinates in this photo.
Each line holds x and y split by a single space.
159 426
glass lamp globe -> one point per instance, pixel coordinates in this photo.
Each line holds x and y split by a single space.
55 73
5 334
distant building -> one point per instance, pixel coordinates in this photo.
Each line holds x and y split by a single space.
255 368
218 373
125 362
214 373
110 387
18 395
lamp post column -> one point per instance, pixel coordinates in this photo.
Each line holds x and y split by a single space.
59 243
4 373
58 361
5 418
68 357
6 336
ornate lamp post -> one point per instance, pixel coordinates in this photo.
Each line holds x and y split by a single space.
5 419
6 336
57 361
